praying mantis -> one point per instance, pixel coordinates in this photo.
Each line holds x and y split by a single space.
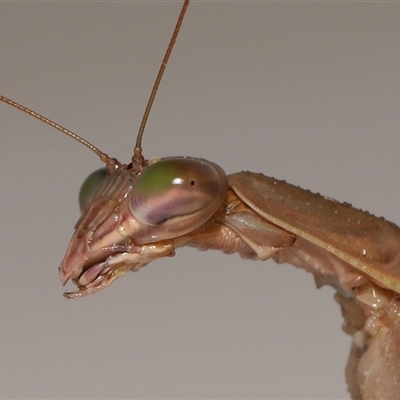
240 149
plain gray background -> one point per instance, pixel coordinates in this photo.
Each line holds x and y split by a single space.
303 91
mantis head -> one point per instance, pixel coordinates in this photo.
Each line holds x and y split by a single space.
130 218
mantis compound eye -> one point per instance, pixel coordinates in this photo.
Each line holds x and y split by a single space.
178 188
90 186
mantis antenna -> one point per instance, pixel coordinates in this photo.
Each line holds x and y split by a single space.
137 158
137 152
103 156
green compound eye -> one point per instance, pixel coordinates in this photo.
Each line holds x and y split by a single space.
90 186
176 187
